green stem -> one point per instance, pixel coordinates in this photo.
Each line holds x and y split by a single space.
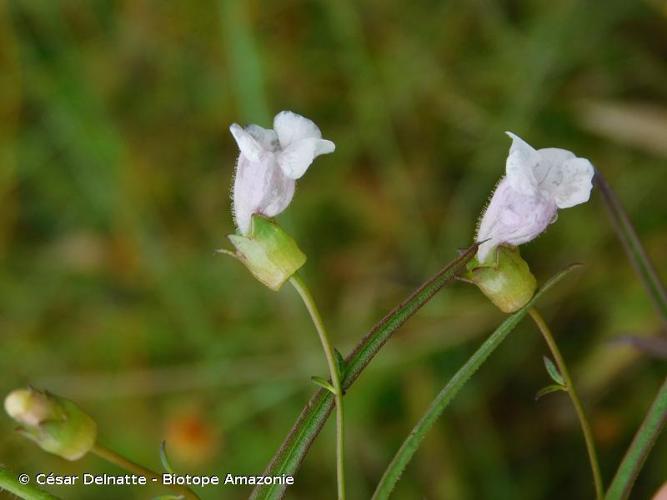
308 425
641 445
442 400
9 482
576 402
124 463
308 300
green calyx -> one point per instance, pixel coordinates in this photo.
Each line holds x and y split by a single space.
271 255
56 424
506 280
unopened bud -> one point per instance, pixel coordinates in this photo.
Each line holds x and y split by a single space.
57 425
271 255
29 407
507 281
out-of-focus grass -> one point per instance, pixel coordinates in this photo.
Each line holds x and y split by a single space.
115 165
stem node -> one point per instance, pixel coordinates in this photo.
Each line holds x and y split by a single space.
329 353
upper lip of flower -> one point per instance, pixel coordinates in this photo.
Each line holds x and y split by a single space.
553 173
294 141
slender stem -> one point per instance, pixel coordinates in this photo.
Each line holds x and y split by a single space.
9 482
641 445
316 411
122 462
308 300
417 435
576 402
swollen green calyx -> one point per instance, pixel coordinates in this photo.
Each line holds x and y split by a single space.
506 279
269 253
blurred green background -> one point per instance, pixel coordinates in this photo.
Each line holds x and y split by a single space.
115 172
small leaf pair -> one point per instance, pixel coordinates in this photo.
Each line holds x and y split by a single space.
555 376
325 384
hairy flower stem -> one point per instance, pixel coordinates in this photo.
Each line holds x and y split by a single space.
122 462
308 300
576 402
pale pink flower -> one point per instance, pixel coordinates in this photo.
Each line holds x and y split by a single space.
537 183
269 164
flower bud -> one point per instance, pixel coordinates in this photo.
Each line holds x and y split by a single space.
270 254
55 424
507 282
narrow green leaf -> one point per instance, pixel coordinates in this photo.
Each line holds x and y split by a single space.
166 464
654 421
323 383
407 450
553 371
13 483
340 364
633 246
548 390
313 416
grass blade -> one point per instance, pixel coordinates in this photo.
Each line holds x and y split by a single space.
442 400
654 421
312 418
633 247
245 61
10 482
640 447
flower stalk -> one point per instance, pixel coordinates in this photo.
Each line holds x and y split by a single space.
576 402
309 302
124 463
310 422
419 432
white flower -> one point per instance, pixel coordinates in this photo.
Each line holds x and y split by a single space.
537 183
269 164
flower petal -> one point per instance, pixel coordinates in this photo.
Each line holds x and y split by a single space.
513 218
280 195
521 164
563 177
324 147
248 144
291 127
260 187
576 184
551 159
266 137
250 185
295 159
